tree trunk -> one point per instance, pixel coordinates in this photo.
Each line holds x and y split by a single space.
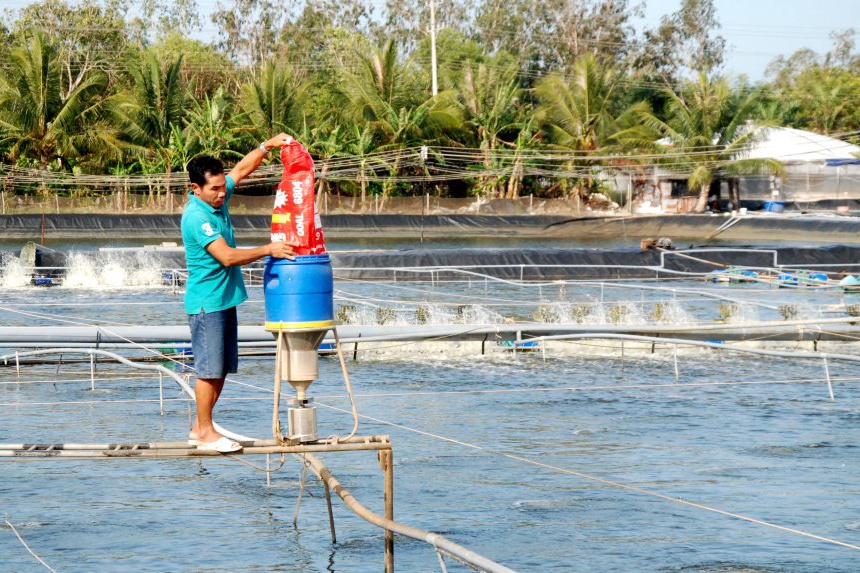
167 183
702 202
515 180
363 185
323 184
388 187
734 192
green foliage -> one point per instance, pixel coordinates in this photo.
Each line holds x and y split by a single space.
213 127
274 102
43 117
87 36
820 92
94 86
204 70
151 112
381 90
580 114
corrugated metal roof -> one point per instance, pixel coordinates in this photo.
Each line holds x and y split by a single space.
798 146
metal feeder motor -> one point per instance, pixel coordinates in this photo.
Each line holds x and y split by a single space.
299 312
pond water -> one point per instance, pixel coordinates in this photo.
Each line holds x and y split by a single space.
500 452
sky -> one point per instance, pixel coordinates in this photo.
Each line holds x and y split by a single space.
756 31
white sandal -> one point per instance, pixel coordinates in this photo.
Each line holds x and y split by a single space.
222 445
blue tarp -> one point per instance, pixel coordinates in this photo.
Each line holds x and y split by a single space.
841 162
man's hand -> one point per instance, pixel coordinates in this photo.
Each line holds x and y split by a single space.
278 141
281 250
252 160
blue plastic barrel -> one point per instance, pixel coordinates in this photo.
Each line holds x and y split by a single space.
298 293
774 206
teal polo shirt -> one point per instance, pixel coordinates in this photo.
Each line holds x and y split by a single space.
210 286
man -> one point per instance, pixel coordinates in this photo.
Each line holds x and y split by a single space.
215 287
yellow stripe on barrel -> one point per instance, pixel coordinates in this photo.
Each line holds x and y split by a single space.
299 325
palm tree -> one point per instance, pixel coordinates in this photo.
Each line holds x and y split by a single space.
360 145
579 115
491 97
151 112
275 102
212 126
43 118
323 141
827 98
706 131
386 94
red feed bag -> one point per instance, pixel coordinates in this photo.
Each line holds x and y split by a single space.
295 219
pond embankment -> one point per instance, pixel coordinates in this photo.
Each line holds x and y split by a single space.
755 229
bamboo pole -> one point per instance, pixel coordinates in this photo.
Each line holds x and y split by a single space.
330 513
385 460
441 543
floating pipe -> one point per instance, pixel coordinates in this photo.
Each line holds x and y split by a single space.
177 336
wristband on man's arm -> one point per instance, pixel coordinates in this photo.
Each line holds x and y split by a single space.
263 148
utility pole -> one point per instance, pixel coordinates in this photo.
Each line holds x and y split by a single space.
435 88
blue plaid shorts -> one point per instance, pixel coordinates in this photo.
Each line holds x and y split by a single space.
215 343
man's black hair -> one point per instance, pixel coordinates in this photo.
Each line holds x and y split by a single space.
199 167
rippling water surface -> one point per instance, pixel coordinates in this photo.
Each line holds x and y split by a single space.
502 453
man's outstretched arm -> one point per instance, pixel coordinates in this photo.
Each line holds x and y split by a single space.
250 162
230 257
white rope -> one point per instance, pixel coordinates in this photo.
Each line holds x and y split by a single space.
276 411
302 476
441 561
607 482
353 405
111 303
27 547
267 470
